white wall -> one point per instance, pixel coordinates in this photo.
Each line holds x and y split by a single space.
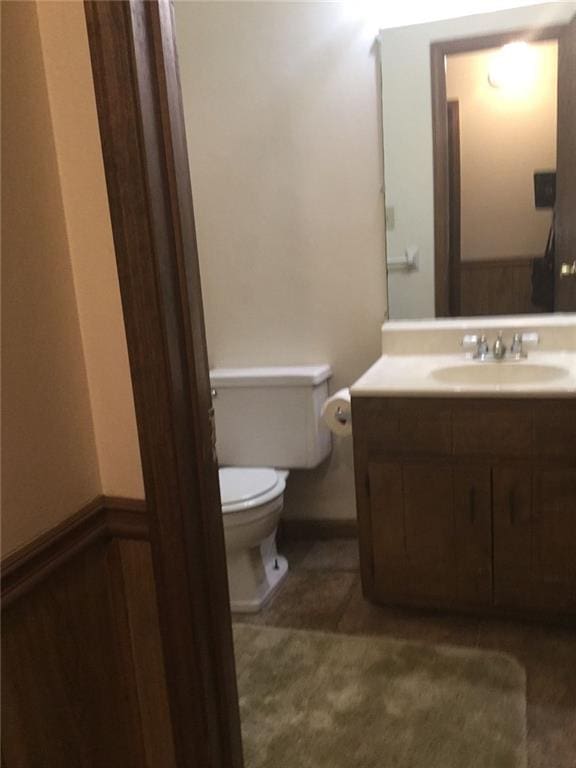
385 15
282 111
505 135
407 128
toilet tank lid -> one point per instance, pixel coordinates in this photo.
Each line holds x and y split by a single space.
277 376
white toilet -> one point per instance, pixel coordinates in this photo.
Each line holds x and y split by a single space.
267 422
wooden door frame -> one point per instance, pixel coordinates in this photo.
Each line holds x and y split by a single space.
565 226
454 216
438 52
138 97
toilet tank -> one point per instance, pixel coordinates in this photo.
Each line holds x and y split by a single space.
271 416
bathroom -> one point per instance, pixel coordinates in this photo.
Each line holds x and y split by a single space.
286 149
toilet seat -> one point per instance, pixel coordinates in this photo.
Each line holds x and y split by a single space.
248 487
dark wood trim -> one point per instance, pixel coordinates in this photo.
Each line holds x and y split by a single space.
441 182
454 217
125 517
103 518
565 220
138 99
438 51
315 530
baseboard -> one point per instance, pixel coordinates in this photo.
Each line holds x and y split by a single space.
307 530
103 518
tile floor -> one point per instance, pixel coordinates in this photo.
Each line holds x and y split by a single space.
322 591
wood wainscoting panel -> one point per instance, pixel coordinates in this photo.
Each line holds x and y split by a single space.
84 681
496 287
140 595
68 694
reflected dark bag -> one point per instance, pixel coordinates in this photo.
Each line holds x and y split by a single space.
543 277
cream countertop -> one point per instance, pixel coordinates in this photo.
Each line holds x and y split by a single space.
417 354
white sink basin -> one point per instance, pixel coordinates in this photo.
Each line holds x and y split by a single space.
498 373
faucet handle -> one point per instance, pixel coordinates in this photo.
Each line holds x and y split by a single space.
518 341
478 341
530 338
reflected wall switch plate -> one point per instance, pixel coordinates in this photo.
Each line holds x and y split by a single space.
408 262
390 218
412 256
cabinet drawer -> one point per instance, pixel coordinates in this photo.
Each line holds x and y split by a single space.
555 429
404 427
492 429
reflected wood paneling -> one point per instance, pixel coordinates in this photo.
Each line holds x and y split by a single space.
497 287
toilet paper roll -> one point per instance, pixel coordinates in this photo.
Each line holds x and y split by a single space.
337 413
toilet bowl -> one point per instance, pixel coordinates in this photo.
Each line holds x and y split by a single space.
252 501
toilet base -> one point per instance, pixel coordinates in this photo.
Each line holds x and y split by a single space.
275 579
254 576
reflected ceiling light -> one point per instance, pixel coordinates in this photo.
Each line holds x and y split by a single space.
513 67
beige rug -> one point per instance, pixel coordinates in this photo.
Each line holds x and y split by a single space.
315 700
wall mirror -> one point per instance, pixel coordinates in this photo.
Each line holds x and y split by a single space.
479 151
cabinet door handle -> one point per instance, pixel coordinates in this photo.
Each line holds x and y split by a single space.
512 506
472 499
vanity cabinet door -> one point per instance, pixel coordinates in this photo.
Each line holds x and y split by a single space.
431 533
535 538
513 537
473 521
412 514
554 539
387 536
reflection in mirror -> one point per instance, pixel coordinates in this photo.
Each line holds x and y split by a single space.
501 138
471 163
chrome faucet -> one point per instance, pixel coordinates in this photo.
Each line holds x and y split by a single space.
499 348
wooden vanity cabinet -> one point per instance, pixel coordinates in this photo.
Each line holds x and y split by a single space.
462 504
